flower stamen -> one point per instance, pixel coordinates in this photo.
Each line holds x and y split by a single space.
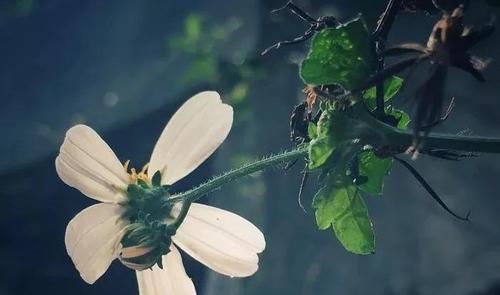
134 176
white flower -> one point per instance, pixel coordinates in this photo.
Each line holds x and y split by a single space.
221 240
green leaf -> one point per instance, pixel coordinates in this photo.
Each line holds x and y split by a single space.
343 209
375 169
323 145
202 69
341 55
193 27
337 129
320 151
391 88
17 7
403 117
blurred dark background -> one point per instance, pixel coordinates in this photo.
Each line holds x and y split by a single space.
123 67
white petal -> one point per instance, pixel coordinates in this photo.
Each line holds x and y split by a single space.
93 239
191 136
88 164
171 280
221 240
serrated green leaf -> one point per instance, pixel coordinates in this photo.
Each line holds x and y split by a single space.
320 151
323 202
341 55
343 209
336 128
391 88
375 169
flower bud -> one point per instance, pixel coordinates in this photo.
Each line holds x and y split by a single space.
145 243
139 258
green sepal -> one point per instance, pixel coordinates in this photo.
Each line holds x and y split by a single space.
135 191
142 183
147 208
343 209
149 200
343 56
160 262
156 180
152 234
145 233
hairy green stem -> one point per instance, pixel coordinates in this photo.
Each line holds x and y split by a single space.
215 183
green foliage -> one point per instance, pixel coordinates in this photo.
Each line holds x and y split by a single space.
402 117
17 7
312 130
199 42
343 209
200 45
191 40
338 204
323 144
375 169
391 88
338 138
201 70
370 165
341 56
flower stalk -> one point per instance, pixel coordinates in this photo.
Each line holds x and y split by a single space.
395 138
230 176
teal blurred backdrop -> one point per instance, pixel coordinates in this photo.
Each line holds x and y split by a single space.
123 67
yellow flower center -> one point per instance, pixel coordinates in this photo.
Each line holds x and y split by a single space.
134 176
